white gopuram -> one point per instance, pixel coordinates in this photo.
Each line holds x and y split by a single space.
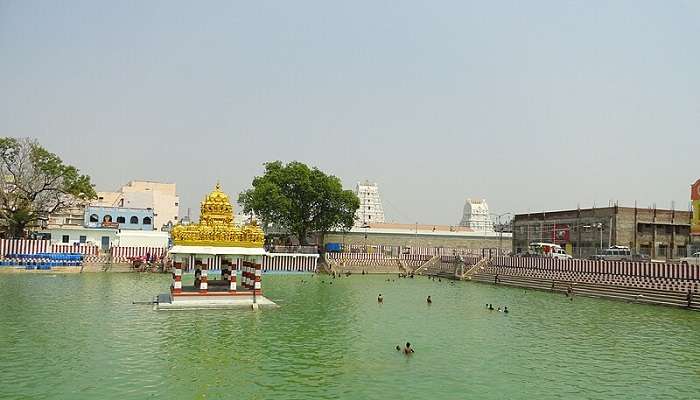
476 216
370 210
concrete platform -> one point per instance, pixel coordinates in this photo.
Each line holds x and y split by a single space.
166 301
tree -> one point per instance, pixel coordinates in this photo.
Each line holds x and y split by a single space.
35 183
300 199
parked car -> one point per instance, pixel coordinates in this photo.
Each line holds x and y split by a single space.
693 260
619 253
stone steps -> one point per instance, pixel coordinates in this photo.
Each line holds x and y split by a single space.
637 295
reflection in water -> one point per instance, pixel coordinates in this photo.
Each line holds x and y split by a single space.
80 336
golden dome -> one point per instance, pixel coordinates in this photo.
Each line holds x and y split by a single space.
216 209
216 228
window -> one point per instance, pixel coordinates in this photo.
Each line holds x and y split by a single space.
662 250
83 239
107 218
134 220
94 218
645 249
147 220
121 220
64 239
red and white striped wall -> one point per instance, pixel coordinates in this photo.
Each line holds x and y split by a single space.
85 249
24 246
297 263
622 268
130 252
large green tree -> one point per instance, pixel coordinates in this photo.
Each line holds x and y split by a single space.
300 199
35 183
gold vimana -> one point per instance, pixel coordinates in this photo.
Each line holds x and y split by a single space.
216 227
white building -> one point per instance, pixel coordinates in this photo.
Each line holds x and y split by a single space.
162 198
476 216
370 210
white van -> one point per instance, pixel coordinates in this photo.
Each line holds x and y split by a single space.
618 253
548 250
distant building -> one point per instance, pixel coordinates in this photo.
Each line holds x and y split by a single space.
162 198
660 234
371 210
476 216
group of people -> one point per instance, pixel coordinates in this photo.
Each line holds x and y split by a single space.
407 350
490 308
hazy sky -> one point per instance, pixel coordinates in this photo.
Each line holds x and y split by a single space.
531 105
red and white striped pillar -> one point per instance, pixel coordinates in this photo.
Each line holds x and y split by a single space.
257 285
203 286
232 275
177 277
244 274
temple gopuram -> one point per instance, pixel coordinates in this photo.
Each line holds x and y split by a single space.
216 243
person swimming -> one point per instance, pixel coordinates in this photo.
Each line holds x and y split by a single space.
491 307
429 300
380 299
398 348
408 350
499 309
505 309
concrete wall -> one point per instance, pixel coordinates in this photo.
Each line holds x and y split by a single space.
92 235
143 239
419 240
161 197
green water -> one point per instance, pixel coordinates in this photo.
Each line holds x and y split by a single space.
79 337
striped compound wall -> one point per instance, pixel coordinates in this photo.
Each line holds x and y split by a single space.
289 263
84 249
120 254
123 254
622 268
276 263
23 246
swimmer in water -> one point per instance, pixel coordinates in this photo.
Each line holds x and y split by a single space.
505 309
380 299
491 307
499 309
408 350
398 348
429 300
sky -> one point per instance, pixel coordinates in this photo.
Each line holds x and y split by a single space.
534 106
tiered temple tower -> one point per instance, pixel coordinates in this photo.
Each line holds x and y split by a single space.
371 210
476 216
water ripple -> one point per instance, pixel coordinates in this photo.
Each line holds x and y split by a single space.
80 337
